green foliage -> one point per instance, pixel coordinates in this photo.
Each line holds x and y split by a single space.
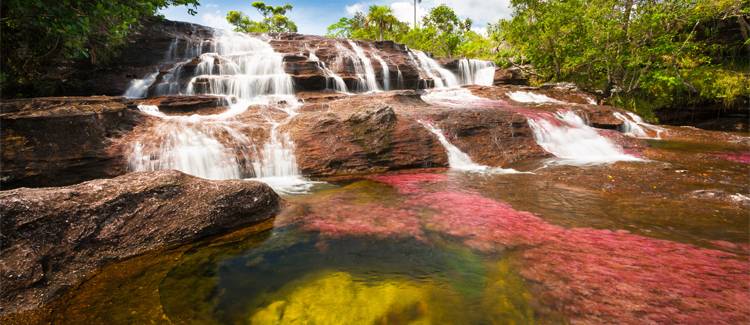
39 34
443 33
274 19
450 31
378 24
674 52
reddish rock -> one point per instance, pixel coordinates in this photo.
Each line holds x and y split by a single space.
61 140
361 134
188 105
54 238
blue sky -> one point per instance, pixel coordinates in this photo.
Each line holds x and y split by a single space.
312 17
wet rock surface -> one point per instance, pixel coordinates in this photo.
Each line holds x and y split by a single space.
53 238
62 140
362 134
187 105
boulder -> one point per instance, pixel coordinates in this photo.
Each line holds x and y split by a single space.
54 238
361 134
61 140
510 76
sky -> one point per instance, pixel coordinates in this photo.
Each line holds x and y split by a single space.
312 17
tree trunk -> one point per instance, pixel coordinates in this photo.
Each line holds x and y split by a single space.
626 17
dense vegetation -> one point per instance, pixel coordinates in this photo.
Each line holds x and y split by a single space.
641 54
38 35
274 19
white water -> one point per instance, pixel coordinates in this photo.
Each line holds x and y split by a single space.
529 97
575 143
384 67
476 72
629 127
138 88
433 70
399 78
247 71
184 144
458 159
363 68
338 83
456 97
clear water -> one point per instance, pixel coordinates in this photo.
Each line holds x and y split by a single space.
452 247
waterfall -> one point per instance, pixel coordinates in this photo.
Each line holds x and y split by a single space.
443 78
247 71
399 78
633 125
338 83
529 97
476 72
384 67
458 159
138 88
567 136
363 69
185 144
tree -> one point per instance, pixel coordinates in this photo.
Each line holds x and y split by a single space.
638 52
274 19
450 29
40 34
345 27
382 18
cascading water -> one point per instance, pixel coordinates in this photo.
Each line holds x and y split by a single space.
567 136
247 71
476 72
185 144
399 78
458 159
441 76
338 83
384 67
529 97
633 125
138 88
363 68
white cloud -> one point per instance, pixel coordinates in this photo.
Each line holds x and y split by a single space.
404 11
481 12
355 8
215 20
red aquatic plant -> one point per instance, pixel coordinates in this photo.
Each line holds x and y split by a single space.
594 275
740 157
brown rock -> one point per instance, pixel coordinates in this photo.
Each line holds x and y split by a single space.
61 140
188 105
361 134
54 238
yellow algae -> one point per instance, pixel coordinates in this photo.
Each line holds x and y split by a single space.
337 298
505 297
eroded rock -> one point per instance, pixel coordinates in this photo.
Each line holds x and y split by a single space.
53 238
61 140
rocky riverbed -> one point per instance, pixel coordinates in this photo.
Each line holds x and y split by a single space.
400 177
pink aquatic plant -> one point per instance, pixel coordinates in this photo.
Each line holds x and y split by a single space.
740 157
594 275
589 275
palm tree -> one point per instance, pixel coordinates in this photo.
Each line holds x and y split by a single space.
415 12
381 17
